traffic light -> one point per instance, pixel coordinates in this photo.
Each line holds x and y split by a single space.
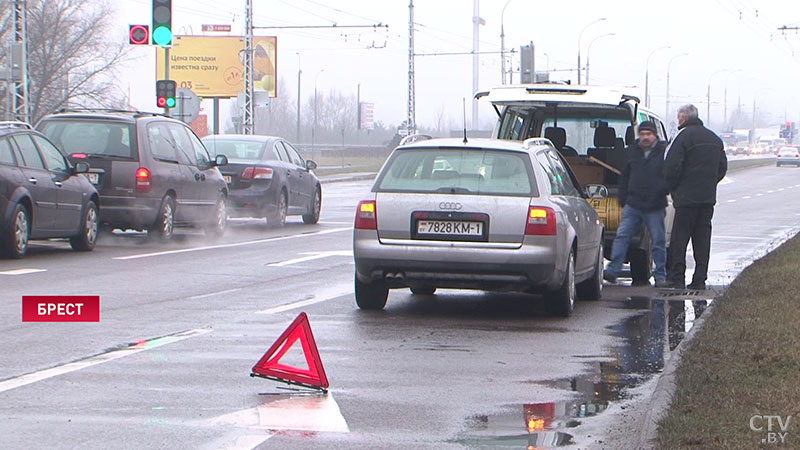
139 34
162 22
165 93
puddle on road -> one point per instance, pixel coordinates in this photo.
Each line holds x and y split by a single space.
649 337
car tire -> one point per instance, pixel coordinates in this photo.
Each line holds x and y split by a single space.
165 222
371 296
592 289
641 261
15 241
279 218
316 206
561 302
423 290
87 238
220 223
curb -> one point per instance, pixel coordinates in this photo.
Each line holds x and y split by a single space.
749 163
345 177
661 397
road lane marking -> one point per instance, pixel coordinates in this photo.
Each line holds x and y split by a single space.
731 201
247 442
318 413
335 223
227 291
312 256
750 238
111 355
235 244
22 271
328 294
759 195
780 189
770 192
746 197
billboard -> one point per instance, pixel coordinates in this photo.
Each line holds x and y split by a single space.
367 112
213 66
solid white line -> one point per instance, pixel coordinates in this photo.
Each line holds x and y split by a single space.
329 294
236 244
30 378
22 271
311 257
750 238
214 293
335 223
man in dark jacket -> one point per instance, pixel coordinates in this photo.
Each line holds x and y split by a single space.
643 196
694 163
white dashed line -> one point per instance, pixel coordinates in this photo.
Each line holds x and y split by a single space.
759 195
22 271
328 294
746 197
227 291
731 201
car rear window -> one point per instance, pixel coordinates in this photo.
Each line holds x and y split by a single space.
471 171
238 149
93 137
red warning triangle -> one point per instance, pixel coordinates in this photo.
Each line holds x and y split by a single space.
269 365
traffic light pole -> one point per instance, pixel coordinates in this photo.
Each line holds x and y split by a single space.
166 73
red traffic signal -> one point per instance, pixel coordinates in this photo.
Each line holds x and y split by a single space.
139 34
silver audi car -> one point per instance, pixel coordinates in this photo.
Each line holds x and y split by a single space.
484 214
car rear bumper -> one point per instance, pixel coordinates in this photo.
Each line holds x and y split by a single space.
257 200
136 213
527 268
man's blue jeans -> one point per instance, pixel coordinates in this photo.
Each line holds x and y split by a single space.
632 219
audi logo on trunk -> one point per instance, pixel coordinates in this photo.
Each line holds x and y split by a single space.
450 205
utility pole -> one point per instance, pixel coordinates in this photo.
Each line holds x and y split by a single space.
247 116
299 72
411 125
476 23
20 108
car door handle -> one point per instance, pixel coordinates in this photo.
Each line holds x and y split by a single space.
58 183
32 180
197 176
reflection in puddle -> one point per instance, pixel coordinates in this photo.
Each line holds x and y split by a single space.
649 337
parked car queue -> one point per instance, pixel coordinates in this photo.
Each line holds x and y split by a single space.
140 171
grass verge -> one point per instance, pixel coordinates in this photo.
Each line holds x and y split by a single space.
744 362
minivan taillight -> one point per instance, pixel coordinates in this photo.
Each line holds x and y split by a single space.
366 217
142 180
541 221
257 173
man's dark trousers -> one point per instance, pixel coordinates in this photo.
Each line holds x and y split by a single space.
691 223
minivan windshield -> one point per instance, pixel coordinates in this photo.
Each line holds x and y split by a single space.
458 171
94 138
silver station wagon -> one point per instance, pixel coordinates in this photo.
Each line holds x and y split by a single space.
484 214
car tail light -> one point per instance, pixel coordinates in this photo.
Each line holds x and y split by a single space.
366 216
78 156
541 221
257 173
142 180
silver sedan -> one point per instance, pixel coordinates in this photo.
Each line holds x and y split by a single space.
485 214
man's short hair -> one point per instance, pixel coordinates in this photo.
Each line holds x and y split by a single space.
689 110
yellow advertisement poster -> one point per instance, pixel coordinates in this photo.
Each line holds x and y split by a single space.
213 66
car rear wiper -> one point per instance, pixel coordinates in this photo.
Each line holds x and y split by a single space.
454 190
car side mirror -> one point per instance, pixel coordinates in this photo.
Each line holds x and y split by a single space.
596 191
311 165
221 160
80 167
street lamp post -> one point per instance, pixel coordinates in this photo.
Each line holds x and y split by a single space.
647 76
708 97
314 127
503 46
547 62
666 112
299 72
725 110
589 51
580 36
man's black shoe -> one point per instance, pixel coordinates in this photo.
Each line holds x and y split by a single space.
610 278
697 286
672 285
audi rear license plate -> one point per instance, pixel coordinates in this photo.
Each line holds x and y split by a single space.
449 228
227 178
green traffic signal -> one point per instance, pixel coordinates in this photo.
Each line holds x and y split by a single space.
170 102
162 36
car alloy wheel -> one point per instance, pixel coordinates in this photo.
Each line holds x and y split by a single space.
21 232
220 217
313 216
87 238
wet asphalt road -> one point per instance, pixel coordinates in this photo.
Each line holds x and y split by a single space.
455 370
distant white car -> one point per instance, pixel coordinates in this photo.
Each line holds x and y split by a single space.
788 156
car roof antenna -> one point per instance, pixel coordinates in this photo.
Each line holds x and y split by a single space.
464 104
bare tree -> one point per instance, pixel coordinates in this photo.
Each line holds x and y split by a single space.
71 60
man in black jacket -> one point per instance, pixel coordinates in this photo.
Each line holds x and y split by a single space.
643 196
694 163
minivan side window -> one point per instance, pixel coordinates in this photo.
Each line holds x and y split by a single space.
161 143
6 156
183 144
200 150
30 156
54 159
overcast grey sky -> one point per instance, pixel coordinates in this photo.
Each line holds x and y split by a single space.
717 34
